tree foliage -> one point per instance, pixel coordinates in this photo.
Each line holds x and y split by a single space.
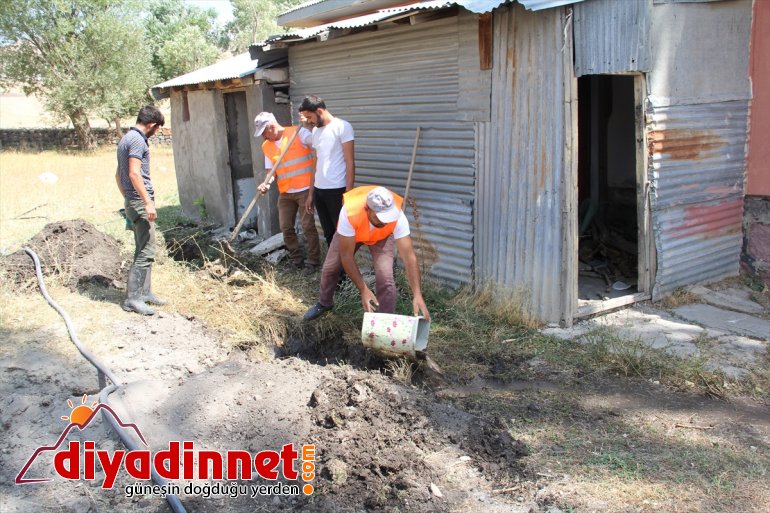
254 21
100 57
182 37
79 56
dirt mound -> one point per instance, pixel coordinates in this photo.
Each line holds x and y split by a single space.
74 250
392 436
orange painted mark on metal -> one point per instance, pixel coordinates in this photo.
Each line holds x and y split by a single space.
685 143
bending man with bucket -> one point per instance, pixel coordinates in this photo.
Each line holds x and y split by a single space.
370 215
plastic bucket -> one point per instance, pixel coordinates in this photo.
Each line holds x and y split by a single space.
391 333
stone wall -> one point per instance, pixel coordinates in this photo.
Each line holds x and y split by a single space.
37 139
756 237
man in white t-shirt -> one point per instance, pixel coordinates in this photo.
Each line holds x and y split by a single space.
335 169
371 215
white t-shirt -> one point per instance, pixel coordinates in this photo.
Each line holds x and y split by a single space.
346 229
306 138
330 160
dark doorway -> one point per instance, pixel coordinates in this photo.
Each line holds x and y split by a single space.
608 249
239 146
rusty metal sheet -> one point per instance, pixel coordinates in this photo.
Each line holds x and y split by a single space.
697 158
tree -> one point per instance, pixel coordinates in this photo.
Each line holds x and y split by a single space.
181 37
186 51
79 56
125 75
254 21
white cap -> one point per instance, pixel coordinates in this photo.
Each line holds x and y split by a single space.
380 201
261 121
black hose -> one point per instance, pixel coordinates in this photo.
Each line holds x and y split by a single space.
172 500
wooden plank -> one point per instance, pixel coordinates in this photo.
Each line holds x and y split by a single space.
485 41
589 308
647 254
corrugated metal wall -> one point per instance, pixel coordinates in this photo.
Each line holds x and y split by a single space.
525 226
612 36
697 112
697 160
386 83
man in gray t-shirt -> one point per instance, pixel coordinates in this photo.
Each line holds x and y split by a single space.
133 179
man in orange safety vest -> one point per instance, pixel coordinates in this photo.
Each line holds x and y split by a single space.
294 176
372 216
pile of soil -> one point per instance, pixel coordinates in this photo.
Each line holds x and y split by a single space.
76 251
379 443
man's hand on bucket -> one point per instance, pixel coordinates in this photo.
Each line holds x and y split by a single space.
419 307
369 300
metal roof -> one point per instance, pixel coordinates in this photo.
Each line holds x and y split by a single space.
476 6
236 67
318 12
360 21
539 5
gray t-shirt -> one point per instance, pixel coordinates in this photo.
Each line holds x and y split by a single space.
134 145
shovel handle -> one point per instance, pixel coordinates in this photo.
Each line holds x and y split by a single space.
268 176
411 167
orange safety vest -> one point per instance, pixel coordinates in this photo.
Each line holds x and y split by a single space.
297 165
354 203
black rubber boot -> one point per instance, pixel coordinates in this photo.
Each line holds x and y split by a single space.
135 284
147 295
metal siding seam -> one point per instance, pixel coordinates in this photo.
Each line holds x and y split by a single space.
569 218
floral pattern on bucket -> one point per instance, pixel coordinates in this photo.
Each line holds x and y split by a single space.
395 333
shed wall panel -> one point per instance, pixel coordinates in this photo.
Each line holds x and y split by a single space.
700 52
612 36
697 160
201 156
526 181
386 83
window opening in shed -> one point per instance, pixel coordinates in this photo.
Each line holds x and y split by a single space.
608 249
185 107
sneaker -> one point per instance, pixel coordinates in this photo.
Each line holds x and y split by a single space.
316 311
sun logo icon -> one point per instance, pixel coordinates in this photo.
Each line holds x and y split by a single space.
80 413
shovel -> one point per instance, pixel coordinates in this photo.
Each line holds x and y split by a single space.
226 247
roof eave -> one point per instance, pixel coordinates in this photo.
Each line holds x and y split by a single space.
329 11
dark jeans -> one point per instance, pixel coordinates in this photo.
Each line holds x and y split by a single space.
382 258
328 203
144 233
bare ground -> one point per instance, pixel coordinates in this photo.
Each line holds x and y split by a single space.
432 445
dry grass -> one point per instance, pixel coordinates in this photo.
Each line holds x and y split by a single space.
677 298
588 459
582 458
85 189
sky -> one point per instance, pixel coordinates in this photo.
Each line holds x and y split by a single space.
223 8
